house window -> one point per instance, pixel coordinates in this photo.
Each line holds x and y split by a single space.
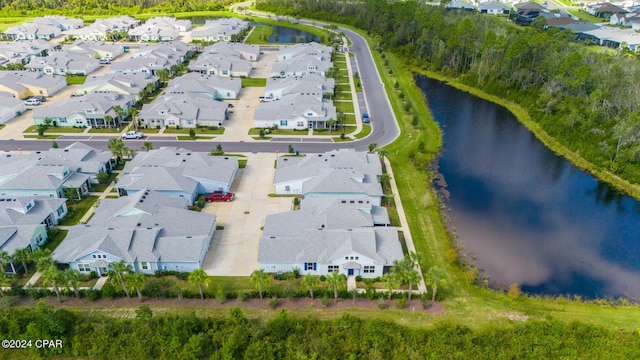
283 122
29 206
351 258
79 121
144 265
346 258
287 188
310 266
189 121
300 123
356 258
309 114
63 120
84 268
60 210
332 268
369 269
94 256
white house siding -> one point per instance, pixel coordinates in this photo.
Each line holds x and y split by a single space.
178 266
295 187
375 200
9 112
323 268
206 186
33 192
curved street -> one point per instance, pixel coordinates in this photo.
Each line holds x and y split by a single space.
384 126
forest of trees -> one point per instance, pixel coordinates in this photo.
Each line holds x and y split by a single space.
106 7
144 335
587 97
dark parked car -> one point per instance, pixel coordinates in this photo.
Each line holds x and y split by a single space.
219 196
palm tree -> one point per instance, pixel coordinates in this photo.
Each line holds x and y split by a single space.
72 278
52 276
107 120
24 256
147 146
120 112
199 277
335 279
4 281
411 276
434 275
331 123
119 275
383 153
414 258
5 260
136 282
259 278
392 281
310 281
42 258
117 148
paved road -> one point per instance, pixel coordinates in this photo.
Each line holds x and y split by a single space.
385 128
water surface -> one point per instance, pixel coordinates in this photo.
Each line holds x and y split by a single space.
527 215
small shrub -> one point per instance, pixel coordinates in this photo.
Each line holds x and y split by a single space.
108 291
358 278
221 296
343 136
242 296
401 302
381 304
158 127
182 275
324 300
92 294
288 291
323 278
424 301
273 302
401 95
514 291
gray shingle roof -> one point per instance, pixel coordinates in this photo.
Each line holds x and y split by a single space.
293 106
13 209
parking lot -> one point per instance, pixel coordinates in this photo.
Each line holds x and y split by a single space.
234 250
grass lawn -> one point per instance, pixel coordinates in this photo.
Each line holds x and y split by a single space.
103 187
343 96
260 35
56 238
198 137
76 79
2 126
242 163
147 130
253 82
45 137
338 139
77 209
105 130
10 22
366 130
200 130
582 15
344 106
34 129
343 88
351 119
256 131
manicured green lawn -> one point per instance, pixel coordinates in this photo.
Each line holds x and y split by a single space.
200 130
49 137
351 119
59 129
242 163
77 209
76 79
103 187
254 82
338 139
256 131
105 130
260 35
55 239
343 88
343 96
582 15
366 130
198 137
344 106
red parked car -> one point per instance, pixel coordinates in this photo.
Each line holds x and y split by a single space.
219 196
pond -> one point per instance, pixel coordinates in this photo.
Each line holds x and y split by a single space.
527 215
282 34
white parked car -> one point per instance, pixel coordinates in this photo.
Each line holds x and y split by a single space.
32 102
132 135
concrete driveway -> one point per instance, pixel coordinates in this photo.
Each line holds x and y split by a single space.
234 250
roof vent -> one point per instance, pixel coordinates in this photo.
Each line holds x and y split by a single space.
66 150
333 155
349 229
177 153
8 155
272 237
188 153
110 229
149 228
319 155
141 200
38 152
188 236
138 224
144 196
184 160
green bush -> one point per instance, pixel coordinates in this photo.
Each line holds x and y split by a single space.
221 296
401 302
381 304
324 300
273 302
91 294
242 296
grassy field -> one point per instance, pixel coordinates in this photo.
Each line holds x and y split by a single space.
56 238
105 130
582 15
200 130
33 129
45 137
76 79
343 96
254 82
189 138
103 187
344 106
260 35
77 209
256 131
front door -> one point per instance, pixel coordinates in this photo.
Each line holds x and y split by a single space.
350 272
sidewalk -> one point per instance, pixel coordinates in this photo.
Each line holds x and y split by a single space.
403 221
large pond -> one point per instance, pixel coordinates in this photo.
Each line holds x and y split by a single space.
527 215
282 34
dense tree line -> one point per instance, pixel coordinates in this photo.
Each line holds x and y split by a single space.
106 7
144 335
582 95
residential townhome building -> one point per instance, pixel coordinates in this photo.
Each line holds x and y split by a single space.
295 111
149 231
31 31
234 49
301 66
225 29
494 8
94 49
22 52
342 173
159 29
24 222
315 85
348 235
212 86
10 107
113 28
25 176
22 84
90 110
319 51
177 172
62 62
221 65
183 110
603 10
61 22
151 58
120 83
79 157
